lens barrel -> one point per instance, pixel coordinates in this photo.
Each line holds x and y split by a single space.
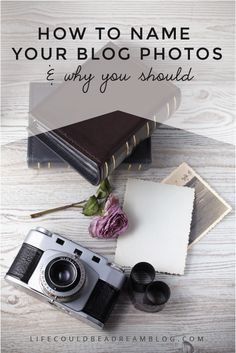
62 274
62 277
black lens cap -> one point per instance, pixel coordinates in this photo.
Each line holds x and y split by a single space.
142 274
145 293
157 293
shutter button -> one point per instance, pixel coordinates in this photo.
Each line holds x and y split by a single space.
44 231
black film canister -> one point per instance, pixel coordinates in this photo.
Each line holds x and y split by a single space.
157 294
142 274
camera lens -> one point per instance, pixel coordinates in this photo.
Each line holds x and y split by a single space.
63 273
63 277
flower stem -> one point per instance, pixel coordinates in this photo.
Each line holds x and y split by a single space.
51 210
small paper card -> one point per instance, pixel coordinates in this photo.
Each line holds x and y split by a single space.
209 207
159 225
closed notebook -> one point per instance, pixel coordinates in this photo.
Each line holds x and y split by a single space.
97 146
40 155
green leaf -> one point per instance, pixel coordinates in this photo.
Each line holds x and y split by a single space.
91 207
104 189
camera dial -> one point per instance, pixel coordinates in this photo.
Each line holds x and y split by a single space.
62 277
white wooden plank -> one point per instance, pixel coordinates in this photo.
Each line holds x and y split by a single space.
196 306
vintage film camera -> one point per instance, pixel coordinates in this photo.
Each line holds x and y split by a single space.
67 275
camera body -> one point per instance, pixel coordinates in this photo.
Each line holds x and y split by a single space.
67 275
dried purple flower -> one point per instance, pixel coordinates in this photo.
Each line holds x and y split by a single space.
113 223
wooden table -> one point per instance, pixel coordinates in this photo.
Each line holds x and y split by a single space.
201 308
202 300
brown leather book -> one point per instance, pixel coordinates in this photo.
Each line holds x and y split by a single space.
40 155
97 144
95 147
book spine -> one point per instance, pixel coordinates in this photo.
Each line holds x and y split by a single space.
144 132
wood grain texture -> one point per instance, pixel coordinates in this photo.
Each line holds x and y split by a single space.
207 102
202 300
211 26
206 109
